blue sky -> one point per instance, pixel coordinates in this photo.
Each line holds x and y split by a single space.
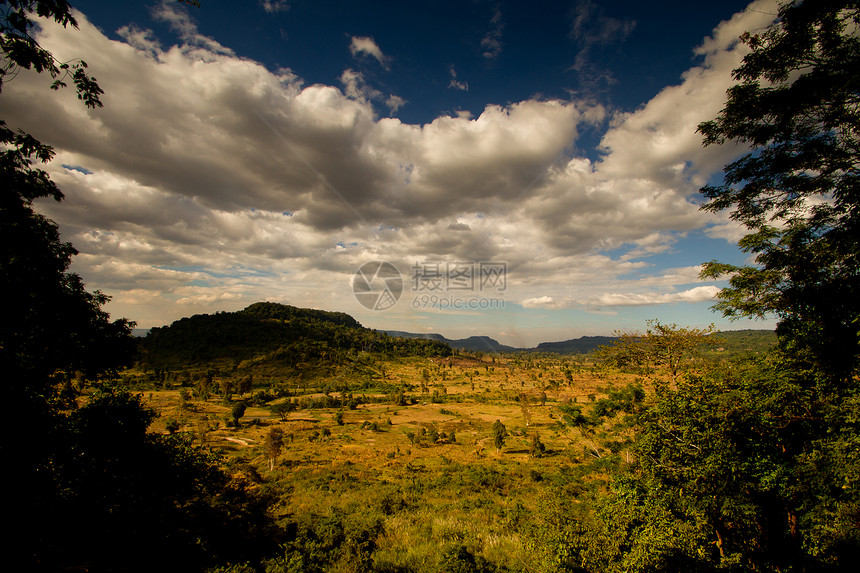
267 150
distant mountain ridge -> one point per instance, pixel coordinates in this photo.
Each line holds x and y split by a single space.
734 341
473 343
582 345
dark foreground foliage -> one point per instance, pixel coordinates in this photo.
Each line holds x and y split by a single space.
104 494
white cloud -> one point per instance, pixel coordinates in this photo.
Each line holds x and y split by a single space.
725 228
180 21
209 174
366 45
491 43
208 298
355 87
142 40
538 302
455 83
275 6
394 103
696 294
548 302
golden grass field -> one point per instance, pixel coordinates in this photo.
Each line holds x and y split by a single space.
428 495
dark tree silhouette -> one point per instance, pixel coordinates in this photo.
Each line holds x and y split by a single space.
88 488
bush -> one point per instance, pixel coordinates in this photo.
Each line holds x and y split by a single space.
171 425
459 559
282 409
238 411
536 448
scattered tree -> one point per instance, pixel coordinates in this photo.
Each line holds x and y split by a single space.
573 417
665 348
273 444
171 425
525 404
245 384
536 448
238 411
499 435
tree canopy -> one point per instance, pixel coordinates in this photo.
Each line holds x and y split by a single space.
54 325
797 107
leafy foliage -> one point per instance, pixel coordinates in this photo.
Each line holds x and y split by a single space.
101 476
459 559
20 49
796 106
499 434
664 348
724 479
55 325
341 543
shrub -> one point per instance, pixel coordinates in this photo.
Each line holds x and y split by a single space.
238 411
459 559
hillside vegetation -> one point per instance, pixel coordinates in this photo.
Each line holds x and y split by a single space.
381 453
433 463
271 337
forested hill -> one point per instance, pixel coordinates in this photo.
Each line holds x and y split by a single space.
274 334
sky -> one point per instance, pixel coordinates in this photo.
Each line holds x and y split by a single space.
527 171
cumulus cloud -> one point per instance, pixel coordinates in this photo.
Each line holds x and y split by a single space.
208 298
394 103
355 87
181 22
696 294
725 228
548 302
367 46
206 173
